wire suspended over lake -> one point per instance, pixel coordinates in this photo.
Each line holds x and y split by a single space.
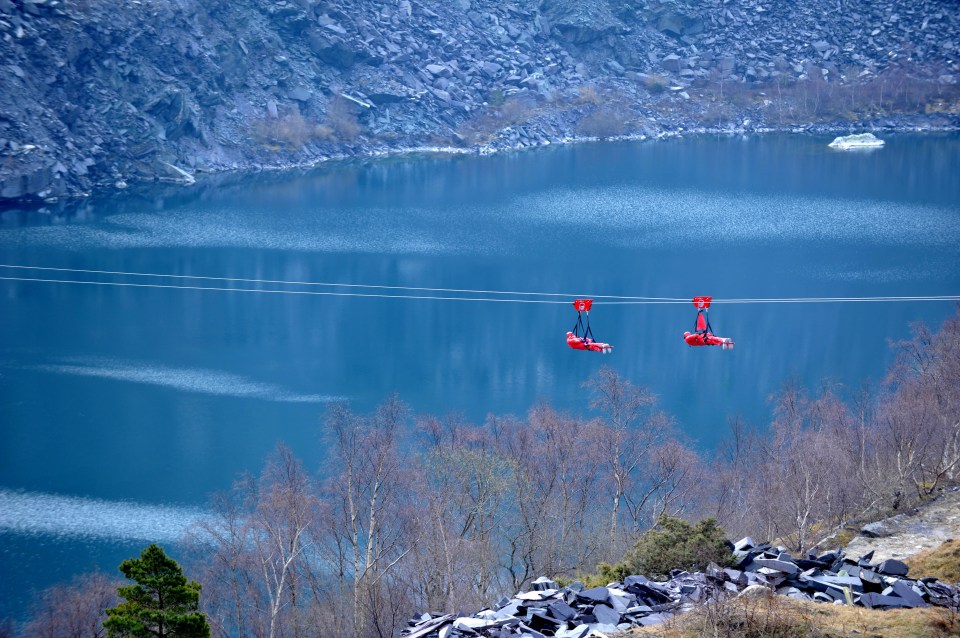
449 294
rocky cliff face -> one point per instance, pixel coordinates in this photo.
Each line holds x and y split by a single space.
105 92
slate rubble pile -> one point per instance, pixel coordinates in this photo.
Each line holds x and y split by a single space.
832 577
575 611
99 93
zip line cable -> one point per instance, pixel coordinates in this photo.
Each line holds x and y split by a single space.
325 293
615 300
328 284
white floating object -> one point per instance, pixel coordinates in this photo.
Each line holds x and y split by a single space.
860 140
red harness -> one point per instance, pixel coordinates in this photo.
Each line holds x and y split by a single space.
581 337
703 335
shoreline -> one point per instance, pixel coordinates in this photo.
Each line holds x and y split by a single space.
32 205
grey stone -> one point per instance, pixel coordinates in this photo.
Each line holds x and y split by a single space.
580 631
671 23
779 565
430 625
492 69
543 584
173 108
475 624
336 28
893 567
606 615
539 621
332 49
671 62
879 601
744 544
734 575
508 611
869 577
527 629
581 22
299 93
438 70
905 591
561 610
621 603
597 594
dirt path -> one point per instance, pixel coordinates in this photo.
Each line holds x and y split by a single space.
904 535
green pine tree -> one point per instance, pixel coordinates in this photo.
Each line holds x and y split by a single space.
163 603
676 544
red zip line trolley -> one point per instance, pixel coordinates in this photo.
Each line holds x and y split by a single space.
581 337
703 331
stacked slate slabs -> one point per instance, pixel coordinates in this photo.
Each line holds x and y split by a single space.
575 611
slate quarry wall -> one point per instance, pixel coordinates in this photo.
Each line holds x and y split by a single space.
105 92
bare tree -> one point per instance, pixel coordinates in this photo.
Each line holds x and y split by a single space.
926 379
671 484
285 510
569 452
465 483
76 610
367 492
524 535
729 479
627 438
221 544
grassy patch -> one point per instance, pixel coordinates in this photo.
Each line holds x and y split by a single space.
942 562
781 617
291 132
484 124
609 120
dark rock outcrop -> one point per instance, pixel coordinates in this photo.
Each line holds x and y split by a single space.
96 93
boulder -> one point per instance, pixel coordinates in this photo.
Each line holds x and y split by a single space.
438 70
672 62
893 567
333 50
176 112
678 24
606 615
582 21
875 530
300 94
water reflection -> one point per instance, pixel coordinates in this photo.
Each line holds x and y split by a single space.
180 391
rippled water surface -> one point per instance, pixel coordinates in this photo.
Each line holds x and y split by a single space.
123 408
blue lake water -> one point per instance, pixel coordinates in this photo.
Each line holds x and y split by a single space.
137 403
